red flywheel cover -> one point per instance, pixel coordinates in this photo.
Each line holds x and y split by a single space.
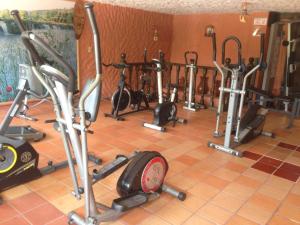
153 174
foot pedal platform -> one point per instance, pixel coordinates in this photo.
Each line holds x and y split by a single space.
125 203
26 133
110 168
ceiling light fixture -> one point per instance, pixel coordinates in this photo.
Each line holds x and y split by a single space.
244 12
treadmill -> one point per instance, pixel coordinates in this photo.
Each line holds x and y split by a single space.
28 85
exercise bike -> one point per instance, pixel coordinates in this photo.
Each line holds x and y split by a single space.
165 111
124 97
251 124
143 178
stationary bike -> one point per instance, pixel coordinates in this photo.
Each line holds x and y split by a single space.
251 124
143 178
124 97
165 111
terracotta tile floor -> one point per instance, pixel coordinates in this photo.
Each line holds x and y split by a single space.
261 188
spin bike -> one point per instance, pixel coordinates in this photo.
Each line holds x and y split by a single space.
124 97
165 111
143 178
251 124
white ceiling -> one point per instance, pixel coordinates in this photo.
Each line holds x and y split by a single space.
202 6
30 5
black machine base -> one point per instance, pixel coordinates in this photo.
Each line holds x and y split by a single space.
18 163
163 114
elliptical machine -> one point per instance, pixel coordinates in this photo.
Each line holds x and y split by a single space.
143 178
165 111
124 97
18 159
251 124
190 102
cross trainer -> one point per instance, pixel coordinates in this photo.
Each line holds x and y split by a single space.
251 124
143 178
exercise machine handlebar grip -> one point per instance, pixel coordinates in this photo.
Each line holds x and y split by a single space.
214 45
16 15
161 56
89 9
30 36
156 61
158 65
262 49
145 56
34 56
194 57
239 49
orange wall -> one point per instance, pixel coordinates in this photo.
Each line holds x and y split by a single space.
188 34
131 30
123 30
